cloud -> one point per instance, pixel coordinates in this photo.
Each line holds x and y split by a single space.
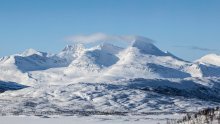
198 48
101 37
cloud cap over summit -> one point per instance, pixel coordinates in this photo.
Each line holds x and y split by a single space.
101 37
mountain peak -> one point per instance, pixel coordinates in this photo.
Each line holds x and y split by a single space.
147 47
110 48
30 52
74 47
70 52
212 59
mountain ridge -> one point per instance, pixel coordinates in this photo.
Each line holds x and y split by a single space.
142 59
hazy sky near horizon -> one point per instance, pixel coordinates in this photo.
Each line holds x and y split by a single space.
187 28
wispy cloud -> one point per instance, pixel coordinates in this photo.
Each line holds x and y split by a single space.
97 37
198 48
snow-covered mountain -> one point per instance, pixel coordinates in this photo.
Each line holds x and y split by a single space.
105 78
71 52
144 60
17 67
105 62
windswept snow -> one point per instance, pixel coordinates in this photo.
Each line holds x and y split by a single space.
147 48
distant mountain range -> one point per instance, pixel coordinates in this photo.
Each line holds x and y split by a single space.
104 62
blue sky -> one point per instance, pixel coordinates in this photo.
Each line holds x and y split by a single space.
187 28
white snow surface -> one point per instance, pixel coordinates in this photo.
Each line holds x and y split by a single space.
85 120
212 59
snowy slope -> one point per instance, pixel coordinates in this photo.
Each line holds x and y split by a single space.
18 67
138 96
212 59
209 65
71 52
10 72
134 63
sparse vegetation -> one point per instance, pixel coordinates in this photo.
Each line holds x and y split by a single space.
206 116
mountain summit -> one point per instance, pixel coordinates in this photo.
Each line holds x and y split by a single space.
147 47
31 51
212 59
